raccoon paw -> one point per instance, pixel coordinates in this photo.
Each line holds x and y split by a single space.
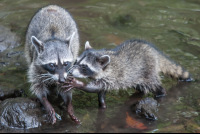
68 88
51 117
74 118
160 92
77 121
187 80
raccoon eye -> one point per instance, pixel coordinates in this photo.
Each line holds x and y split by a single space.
65 63
52 65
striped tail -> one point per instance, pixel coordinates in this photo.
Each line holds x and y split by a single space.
173 69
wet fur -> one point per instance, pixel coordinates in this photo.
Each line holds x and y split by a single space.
52 25
134 63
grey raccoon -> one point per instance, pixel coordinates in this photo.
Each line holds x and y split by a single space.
51 47
134 63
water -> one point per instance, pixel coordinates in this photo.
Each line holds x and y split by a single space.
173 26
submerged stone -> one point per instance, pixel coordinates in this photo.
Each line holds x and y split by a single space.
144 108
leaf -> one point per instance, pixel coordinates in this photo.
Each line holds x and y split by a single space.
134 123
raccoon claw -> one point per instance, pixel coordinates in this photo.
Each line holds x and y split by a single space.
66 90
66 86
73 82
50 114
58 83
77 121
69 82
69 87
70 78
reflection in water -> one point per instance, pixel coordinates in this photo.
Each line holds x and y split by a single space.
125 120
173 26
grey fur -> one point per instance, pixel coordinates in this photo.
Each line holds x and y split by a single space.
49 38
134 63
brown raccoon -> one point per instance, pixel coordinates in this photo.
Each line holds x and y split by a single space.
52 45
134 63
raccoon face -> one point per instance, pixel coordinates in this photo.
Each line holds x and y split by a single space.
55 57
90 64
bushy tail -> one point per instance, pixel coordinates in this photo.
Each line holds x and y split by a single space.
173 69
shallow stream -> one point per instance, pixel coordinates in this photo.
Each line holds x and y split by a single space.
172 25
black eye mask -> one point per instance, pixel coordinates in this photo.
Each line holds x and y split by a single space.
53 69
78 62
67 66
49 69
85 70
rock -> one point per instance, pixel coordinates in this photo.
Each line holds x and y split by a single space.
20 113
144 108
7 39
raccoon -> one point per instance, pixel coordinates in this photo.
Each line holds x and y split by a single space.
51 47
132 64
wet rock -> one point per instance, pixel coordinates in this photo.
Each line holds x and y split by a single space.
20 113
144 108
7 39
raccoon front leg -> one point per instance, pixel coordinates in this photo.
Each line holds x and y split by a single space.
40 91
50 111
92 87
67 97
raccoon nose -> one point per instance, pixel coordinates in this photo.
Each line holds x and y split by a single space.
61 80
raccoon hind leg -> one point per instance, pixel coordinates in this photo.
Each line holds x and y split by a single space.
155 86
152 85
159 92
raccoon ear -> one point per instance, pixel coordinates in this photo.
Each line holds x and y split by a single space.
38 44
70 38
104 60
87 45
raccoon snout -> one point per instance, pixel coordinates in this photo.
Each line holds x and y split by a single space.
61 80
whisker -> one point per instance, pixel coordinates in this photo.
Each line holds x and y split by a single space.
71 67
51 80
46 79
42 76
